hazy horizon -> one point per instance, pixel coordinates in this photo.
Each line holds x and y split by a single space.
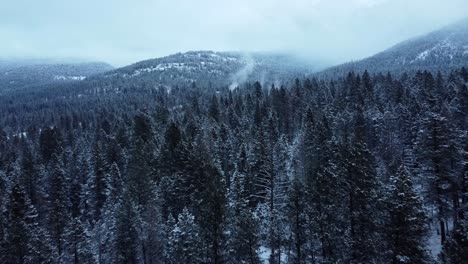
123 32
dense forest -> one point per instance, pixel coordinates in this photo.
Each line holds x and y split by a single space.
361 169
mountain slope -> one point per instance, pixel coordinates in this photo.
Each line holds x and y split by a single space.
442 50
207 68
14 76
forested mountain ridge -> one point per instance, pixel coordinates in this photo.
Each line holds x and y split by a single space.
208 68
16 75
441 50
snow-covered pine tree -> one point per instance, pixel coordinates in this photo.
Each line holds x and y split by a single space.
407 224
24 241
362 195
455 249
277 200
58 203
185 241
434 165
240 227
298 240
126 234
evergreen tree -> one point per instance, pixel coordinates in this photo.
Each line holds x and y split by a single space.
297 206
455 249
407 225
24 240
277 200
213 111
434 164
101 182
58 204
241 227
50 143
126 234
16 238
184 240
140 172
362 194
262 166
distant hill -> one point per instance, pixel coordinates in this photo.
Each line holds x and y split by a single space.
443 50
17 74
207 68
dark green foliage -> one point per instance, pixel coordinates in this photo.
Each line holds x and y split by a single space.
185 245
49 143
126 234
407 227
304 172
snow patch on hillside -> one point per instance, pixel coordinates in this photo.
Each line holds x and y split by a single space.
187 67
443 49
164 67
69 78
423 55
465 50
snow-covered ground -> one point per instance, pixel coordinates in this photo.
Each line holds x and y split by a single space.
264 254
433 243
66 78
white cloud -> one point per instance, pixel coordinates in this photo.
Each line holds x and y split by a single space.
368 3
124 31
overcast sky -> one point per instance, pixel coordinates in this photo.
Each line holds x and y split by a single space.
125 31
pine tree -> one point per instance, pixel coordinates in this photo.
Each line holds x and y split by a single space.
178 170
184 240
210 200
149 227
262 167
277 199
126 245
50 143
327 193
101 182
104 229
362 194
29 172
140 172
213 111
142 127
434 163
77 239
297 207
240 225
15 241
407 224
455 249
24 240
58 204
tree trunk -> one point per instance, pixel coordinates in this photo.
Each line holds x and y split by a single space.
442 231
456 205
143 249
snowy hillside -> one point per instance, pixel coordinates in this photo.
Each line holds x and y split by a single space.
17 75
442 50
208 68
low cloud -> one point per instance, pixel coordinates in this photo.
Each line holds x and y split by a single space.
243 74
123 32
